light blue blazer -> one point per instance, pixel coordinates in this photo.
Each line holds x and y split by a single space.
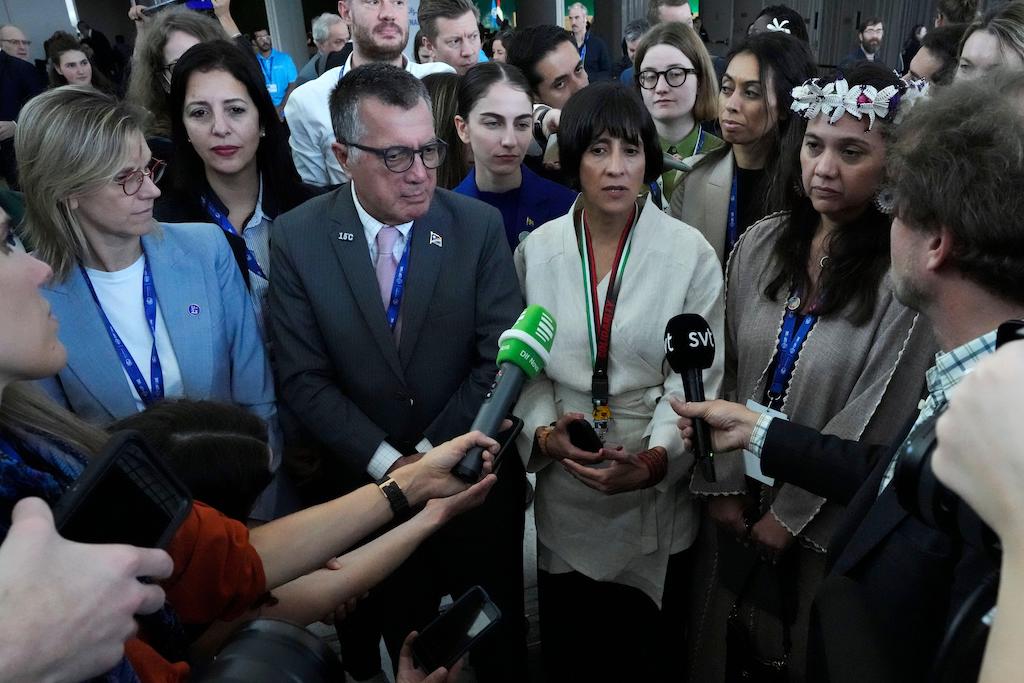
209 318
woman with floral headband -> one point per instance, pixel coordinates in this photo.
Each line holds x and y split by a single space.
813 331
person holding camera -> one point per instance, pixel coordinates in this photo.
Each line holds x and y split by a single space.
957 249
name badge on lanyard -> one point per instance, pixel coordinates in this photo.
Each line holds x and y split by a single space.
599 322
222 221
152 391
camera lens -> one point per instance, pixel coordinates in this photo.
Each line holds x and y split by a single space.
271 651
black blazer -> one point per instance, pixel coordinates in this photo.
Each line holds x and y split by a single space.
914 577
339 369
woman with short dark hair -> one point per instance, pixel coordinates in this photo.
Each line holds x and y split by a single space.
614 523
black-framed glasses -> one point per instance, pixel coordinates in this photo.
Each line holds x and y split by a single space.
399 159
17 42
132 182
675 77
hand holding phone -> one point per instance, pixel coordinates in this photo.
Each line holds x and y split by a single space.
583 436
454 632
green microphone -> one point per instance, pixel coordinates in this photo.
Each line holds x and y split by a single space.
523 351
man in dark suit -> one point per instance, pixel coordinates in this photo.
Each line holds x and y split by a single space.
19 82
869 43
956 258
387 299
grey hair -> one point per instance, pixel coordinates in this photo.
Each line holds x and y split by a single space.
575 5
322 26
389 84
635 29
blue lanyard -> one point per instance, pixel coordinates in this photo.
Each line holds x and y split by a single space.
732 229
791 340
398 286
583 49
155 369
225 225
267 66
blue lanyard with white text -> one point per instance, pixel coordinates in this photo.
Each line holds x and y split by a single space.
267 66
225 225
583 50
732 228
146 393
791 340
398 286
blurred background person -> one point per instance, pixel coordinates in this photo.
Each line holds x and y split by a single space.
631 36
19 82
781 19
955 12
592 49
422 53
677 82
330 34
659 11
451 31
870 33
495 120
278 69
499 45
444 89
911 46
936 61
68 63
995 39
733 187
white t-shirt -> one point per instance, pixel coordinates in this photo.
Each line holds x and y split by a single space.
120 294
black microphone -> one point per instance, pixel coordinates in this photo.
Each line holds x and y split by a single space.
523 351
690 349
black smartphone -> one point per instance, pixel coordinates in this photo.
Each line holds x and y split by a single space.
506 439
125 495
583 436
454 632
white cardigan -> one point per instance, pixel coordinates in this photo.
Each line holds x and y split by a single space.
625 538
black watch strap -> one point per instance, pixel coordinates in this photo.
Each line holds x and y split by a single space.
538 127
396 497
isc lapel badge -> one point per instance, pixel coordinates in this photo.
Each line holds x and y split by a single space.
346 236
435 240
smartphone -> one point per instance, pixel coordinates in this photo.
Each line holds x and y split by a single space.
125 495
506 439
583 436
455 631
156 5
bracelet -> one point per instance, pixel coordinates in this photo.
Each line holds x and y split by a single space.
542 441
656 461
394 494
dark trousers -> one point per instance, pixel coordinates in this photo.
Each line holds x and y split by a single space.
483 546
596 631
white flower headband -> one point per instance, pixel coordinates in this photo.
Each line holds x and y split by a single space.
838 98
776 26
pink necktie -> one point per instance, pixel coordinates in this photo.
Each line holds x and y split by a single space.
386 263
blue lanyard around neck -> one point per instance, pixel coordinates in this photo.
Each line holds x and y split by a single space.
225 225
267 65
398 286
732 228
146 393
791 341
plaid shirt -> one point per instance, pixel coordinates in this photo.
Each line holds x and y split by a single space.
949 369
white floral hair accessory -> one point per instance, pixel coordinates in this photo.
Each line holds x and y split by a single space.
779 27
837 98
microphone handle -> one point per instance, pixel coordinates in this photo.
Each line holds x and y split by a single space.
499 400
693 387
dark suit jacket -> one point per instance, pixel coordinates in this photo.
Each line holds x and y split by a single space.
914 577
598 61
339 369
19 82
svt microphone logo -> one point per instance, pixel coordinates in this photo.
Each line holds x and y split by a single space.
701 339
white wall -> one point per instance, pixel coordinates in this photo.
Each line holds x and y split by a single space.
38 19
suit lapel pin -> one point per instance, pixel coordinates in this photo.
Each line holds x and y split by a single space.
193 309
529 221
435 240
346 236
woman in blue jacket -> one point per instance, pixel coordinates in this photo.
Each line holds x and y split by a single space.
148 311
495 118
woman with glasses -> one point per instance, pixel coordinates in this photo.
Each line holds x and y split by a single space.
614 517
495 121
677 82
148 311
814 331
734 186
233 167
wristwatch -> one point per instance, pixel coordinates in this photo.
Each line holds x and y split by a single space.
538 127
396 497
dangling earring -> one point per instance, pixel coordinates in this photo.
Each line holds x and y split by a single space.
263 132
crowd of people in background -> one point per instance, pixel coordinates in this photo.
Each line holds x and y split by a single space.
293 280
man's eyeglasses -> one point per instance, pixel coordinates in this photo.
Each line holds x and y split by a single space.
675 77
131 182
16 42
399 159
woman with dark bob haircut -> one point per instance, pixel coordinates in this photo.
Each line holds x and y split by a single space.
614 522
232 164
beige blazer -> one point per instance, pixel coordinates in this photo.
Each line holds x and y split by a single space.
701 199
628 537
